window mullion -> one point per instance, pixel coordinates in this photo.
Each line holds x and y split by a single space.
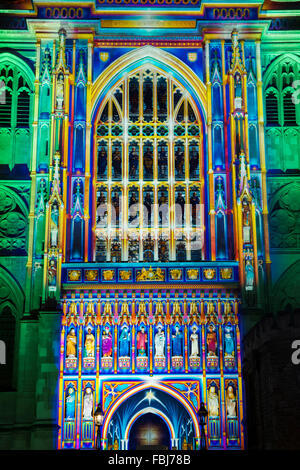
155 172
125 167
14 110
141 166
14 104
171 168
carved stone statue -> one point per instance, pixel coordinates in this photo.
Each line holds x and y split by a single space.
249 275
177 342
60 92
211 341
194 343
213 402
70 404
71 343
141 342
231 403
88 404
237 91
159 341
124 342
54 226
229 342
89 344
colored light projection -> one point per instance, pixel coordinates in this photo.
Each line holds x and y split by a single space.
155 232
170 342
134 193
148 152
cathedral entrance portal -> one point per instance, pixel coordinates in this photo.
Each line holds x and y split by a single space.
149 432
146 417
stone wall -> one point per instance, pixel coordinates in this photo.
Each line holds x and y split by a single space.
272 383
29 413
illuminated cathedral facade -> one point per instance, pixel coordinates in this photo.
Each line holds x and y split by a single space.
138 152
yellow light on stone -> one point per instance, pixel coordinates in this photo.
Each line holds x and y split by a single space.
150 395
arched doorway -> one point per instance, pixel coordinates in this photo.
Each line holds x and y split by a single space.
149 432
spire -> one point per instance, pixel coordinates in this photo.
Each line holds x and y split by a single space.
56 189
215 68
251 73
220 195
243 187
236 61
61 57
81 75
41 197
78 199
46 67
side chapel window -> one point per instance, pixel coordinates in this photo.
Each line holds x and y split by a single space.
15 115
282 116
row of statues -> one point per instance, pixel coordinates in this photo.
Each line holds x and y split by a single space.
87 408
142 340
214 402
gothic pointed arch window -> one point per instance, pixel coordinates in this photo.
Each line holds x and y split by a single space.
272 107
148 141
289 108
282 114
15 111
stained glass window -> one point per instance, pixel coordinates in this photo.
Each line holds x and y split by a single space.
149 156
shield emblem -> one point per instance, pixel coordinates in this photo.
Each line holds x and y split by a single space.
192 56
104 56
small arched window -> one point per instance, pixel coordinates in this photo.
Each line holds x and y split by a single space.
23 109
15 97
16 94
272 109
289 109
281 113
280 109
5 107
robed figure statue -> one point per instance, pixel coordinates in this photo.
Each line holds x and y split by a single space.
142 340
71 343
70 404
159 341
124 342
106 344
177 342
